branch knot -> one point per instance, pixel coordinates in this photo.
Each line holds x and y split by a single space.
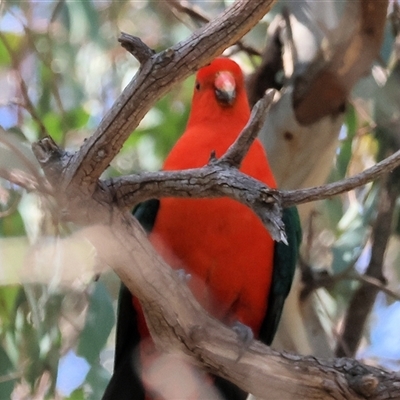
136 47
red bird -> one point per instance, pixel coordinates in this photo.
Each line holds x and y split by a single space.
239 274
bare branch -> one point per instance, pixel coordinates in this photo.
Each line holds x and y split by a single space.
136 47
192 11
291 197
237 151
316 278
31 180
154 79
200 17
220 180
213 180
28 105
12 207
177 322
377 283
26 181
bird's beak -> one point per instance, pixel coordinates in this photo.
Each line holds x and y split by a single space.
225 88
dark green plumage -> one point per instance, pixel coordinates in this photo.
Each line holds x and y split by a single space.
285 258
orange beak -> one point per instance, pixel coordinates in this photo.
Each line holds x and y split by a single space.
225 88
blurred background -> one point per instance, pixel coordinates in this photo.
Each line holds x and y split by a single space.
62 68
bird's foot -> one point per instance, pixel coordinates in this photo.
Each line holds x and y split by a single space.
245 336
183 276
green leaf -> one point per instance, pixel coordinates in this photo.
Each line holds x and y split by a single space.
6 380
12 225
98 378
76 118
53 124
346 151
15 42
78 394
8 296
99 323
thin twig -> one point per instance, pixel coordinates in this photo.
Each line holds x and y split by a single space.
56 10
238 150
25 160
29 106
292 197
374 282
198 15
26 181
12 207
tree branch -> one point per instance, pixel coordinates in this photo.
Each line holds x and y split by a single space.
136 47
175 319
213 180
291 197
178 323
364 297
217 180
153 80
237 151
199 16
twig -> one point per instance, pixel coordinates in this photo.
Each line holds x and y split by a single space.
364 297
237 151
12 207
26 181
25 160
292 197
136 47
192 11
292 46
377 283
322 279
29 106
56 10
196 14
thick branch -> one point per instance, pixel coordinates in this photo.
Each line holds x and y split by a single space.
213 180
153 80
217 179
178 323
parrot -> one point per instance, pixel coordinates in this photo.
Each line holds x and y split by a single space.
239 274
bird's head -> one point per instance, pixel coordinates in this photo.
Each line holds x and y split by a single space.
219 94
222 79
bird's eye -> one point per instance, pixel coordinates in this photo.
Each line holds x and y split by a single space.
197 86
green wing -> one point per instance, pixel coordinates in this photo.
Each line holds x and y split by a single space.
285 258
125 383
